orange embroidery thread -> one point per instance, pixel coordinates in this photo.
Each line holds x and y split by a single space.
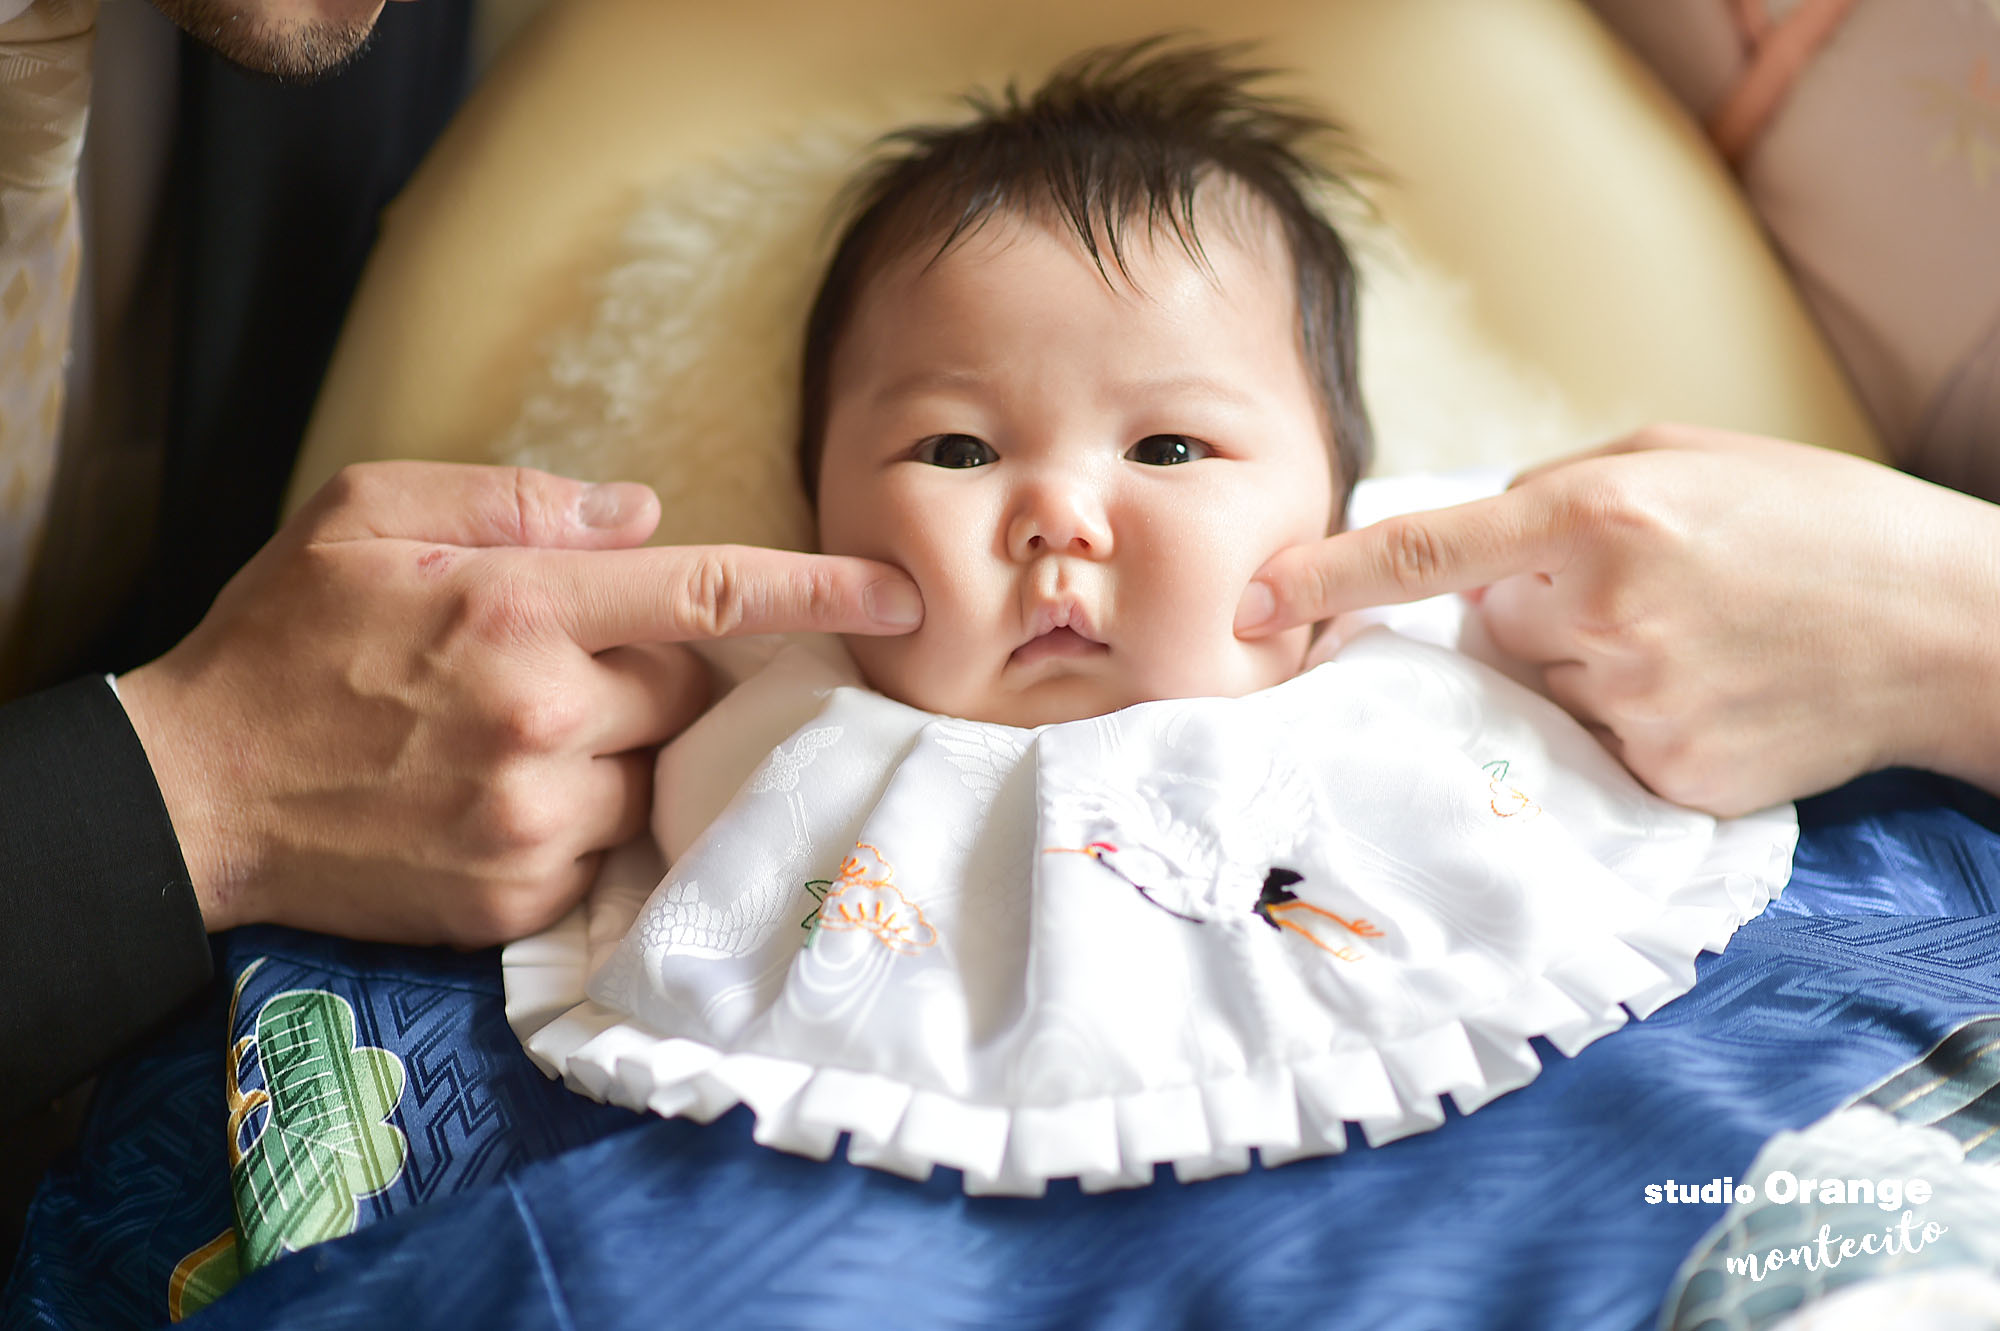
864 897
1355 926
1499 790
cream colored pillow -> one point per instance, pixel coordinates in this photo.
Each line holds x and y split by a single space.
604 267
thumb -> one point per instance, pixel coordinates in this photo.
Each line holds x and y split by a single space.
450 503
1405 558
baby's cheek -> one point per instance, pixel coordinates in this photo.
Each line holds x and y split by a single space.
1286 657
876 658
1196 658
1266 662
909 669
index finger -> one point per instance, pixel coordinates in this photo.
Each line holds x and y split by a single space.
684 593
1410 557
459 503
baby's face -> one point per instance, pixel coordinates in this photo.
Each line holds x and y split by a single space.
1080 477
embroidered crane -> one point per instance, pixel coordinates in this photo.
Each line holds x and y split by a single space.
1208 846
1275 904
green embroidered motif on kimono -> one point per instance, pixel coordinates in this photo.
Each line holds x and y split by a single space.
324 1141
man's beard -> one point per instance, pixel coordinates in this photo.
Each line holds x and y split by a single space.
297 52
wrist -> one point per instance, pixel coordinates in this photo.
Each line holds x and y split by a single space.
1970 747
1953 685
184 774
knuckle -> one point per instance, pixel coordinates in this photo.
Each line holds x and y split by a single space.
513 821
1311 579
316 581
1680 769
324 564
540 721
1619 509
1656 435
1595 501
1638 699
818 592
1669 701
540 508
1683 435
495 912
360 485
1413 556
513 715
1612 622
503 609
470 923
1615 608
713 605
525 895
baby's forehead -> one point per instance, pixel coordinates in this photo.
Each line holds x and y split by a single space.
1223 223
1147 322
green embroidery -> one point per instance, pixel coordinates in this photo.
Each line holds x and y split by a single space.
325 1142
817 889
1501 792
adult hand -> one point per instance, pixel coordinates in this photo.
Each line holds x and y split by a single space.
426 706
1742 620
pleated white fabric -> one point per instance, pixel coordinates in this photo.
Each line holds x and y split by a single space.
1179 933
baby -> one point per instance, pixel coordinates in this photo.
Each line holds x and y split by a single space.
1083 883
1080 366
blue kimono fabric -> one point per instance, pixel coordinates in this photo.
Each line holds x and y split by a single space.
502 1200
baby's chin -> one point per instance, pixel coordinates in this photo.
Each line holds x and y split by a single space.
1049 705
1046 703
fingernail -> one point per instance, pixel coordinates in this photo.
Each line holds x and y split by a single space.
1258 605
609 505
893 604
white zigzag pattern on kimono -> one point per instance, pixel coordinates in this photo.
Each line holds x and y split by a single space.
782 769
680 921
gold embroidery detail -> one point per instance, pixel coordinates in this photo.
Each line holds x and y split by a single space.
864 897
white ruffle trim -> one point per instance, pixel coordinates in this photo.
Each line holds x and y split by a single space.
1283 1111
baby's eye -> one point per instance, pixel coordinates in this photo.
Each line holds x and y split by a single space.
1166 450
955 450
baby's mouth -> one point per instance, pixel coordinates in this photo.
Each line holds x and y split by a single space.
1061 638
1057 642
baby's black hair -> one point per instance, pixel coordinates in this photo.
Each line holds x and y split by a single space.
1115 134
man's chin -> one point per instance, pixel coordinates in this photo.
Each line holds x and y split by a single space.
292 49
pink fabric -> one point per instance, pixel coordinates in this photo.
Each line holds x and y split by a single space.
1779 55
1752 20
1876 167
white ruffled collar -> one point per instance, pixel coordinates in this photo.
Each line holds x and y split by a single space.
1174 934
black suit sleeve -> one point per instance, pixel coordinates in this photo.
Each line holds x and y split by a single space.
100 935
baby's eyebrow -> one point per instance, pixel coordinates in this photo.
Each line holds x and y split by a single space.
1184 383
929 381
1189 383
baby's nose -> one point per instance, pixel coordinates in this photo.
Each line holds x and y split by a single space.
1059 519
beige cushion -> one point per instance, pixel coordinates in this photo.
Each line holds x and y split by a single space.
604 265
